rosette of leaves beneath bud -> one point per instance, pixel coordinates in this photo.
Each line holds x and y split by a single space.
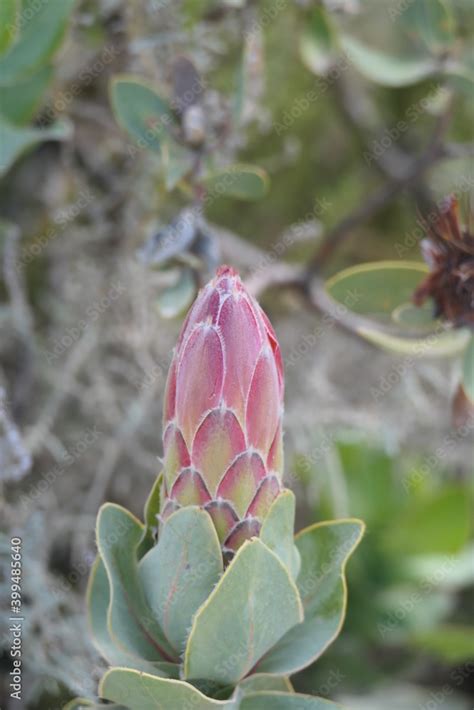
183 623
223 411
180 629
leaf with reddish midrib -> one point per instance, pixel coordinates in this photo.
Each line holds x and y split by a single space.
131 622
179 573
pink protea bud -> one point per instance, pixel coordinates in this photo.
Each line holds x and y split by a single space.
223 411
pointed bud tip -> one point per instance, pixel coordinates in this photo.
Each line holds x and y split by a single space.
227 280
225 270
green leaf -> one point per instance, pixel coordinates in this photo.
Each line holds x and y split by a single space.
130 620
277 531
252 607
318 44
285 701
179 573
432 21
245 182
386 69
8 23
42 30
177 162
98 601
324 549
468 370
140 691
150 513
145 115
417 317
16 141
18 102
451 644
439 525
254 684
150 516
378 288
383 291
153 502
264 681
442 344
176 299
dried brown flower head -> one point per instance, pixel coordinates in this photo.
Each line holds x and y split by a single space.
448 249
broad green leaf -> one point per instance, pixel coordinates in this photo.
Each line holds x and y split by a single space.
285 701
378 288
245 182
432 21
42 30
318 44
386 69
18 102
324 549
131 621
264 681
177 162
277 531
98 601
251 608
451 644
176 299
140 691
180 572
383 291
255 683
468 370
411 316
143 113
16 141
8 23
441 344
439 525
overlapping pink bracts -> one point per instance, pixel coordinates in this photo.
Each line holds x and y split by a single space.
223 411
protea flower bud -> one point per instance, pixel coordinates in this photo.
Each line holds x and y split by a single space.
223 412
